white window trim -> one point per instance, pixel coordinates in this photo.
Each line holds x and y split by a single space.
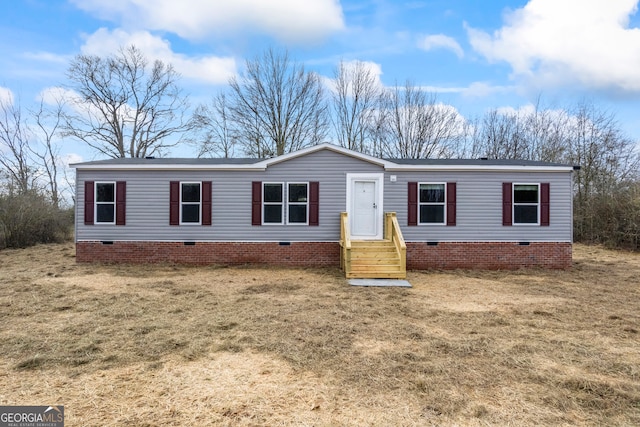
444 204
282 203
191 203
95 202
306 222
513 204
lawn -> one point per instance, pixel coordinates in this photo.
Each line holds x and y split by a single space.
249 346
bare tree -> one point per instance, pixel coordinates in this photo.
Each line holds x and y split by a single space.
607 181
502 136
355 100
416 126
48 122
29 211
126 107
14 149
532 133
277 106
547 134
214 122
606 156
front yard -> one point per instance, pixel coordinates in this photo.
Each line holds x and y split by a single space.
173 345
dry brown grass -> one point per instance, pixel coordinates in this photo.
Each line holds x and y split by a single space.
173 345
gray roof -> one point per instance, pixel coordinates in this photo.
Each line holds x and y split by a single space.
473 162
261 164
174 161
178 161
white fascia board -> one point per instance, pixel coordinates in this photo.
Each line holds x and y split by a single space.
325 146
388 166
476 168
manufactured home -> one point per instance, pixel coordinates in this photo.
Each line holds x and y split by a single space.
326 206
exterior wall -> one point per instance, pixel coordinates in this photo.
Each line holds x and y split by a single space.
420 256
478 240
147 209
479 207
479 204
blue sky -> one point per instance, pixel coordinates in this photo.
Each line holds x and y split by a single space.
477 55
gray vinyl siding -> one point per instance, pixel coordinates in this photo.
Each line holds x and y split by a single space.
479 203
147 209
479 207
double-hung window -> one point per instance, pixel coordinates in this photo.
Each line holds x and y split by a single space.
298 205
190 202
526 203
432 203
290 201
105 204
273 203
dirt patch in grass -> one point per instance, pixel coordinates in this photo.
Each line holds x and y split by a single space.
174 345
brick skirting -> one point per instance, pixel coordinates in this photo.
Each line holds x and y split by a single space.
301 254
488 255
420 256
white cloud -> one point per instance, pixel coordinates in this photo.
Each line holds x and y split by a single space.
550 42
440 41
72 158
482 89
556 119
522 111
293 21
456 122
53 94
47 57
6 96
474 90
209 69
371 69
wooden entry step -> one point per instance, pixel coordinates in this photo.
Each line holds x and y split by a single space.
373 259
377 259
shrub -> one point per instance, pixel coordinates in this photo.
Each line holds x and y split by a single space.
30 218
612 219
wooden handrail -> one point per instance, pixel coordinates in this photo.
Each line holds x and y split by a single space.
345 233
396 233
345 242
371 258
393 233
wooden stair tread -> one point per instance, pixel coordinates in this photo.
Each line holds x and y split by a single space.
374 259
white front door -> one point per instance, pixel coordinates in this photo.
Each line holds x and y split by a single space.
364 205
